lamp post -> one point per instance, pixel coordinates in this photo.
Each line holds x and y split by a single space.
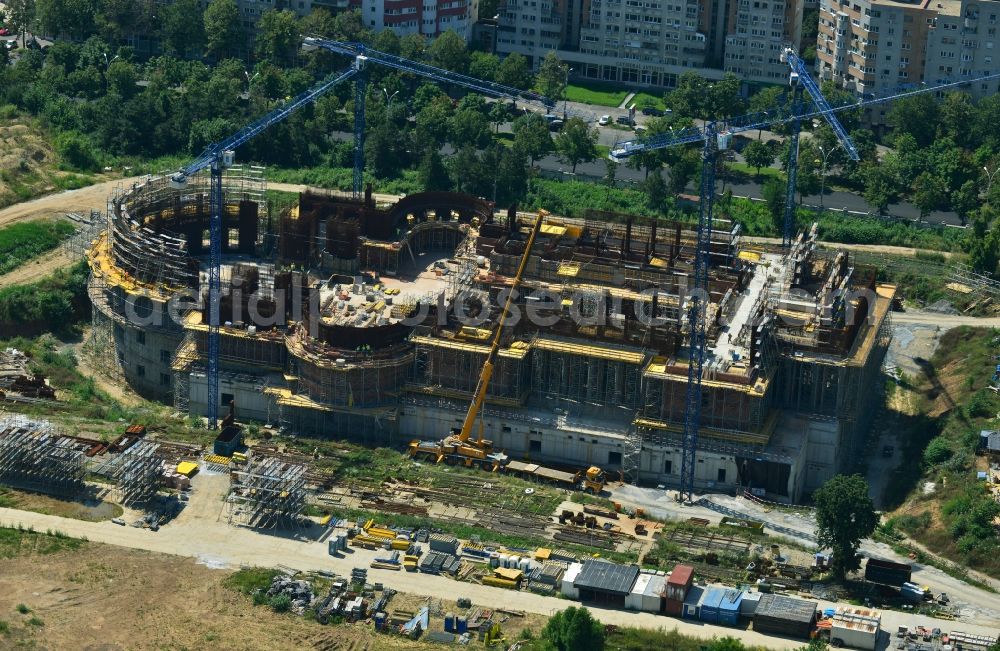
249 78
822 175
567 70
388 99
989 178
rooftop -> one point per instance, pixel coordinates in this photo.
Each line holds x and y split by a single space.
607 577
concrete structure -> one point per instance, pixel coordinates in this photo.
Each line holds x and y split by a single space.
650 44
382 340
869 45
427 18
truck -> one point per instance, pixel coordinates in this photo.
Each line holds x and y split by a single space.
887 572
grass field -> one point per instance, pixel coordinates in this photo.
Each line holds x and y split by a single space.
597 94
24 542
21 242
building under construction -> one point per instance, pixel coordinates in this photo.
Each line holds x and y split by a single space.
348 319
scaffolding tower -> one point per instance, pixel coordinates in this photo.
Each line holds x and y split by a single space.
137 473
266 493
34 457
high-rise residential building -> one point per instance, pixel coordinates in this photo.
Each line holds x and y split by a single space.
653 42
868 46
427 17
758 32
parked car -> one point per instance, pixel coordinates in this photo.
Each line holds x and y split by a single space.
555 125
605 119
624 119
4 31
652 110
118 521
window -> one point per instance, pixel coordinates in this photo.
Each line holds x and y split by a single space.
614 458
534 446
505 428
225 399
165 356
234 237
140 337
165 379
668 466
206 237
722 475
140 370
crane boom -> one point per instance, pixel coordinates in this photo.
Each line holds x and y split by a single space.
800 71
484 378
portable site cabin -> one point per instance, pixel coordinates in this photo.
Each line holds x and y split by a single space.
748 604
691 608
605 582
677 586
647 593
569 590
783 615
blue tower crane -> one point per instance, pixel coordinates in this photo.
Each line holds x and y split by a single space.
714 137
219 156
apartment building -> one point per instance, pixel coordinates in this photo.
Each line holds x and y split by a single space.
653 42
427 17
868 46
760 30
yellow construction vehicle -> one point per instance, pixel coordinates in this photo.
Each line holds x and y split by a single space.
595 480
459 447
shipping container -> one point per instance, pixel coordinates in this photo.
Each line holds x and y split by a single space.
679 582
692 603
887 572
729 608
710 604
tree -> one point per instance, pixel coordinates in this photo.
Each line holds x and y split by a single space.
432 173
610 174
223 31
758 154
514 71
683 170
278 36
73 18
183 28
449 51
964 200
655 190
881 186
552 77
532 136
20 15
576 143
767 99
845 516
574 629
498 114
774 196
413 47
483 65
468 127
917 116
929 193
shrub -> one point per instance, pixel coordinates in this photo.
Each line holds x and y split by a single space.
937 452
281 603
23 609
77 151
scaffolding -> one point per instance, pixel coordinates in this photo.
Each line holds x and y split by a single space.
35 457
266 493
137 473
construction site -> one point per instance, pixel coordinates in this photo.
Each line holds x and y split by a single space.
348 319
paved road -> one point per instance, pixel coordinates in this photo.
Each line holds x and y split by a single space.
199 532
943 321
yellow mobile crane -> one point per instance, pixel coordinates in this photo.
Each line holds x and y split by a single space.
458 446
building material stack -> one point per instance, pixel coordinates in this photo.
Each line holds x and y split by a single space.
266 493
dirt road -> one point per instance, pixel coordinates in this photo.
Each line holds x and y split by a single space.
943 321
199 532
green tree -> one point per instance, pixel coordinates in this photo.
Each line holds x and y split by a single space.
655 190
532 136
413 46
20 16
488 8
514 71
881 186
684 169
449 51
767 99
552 77
511 181
498 114
964 200
278 36
223 30
468 127
758 154
72 18
574 629
929 193
956 112
483 65
773 192
576 143
916 116
432 173
984 252
387 41
183 28
610 174
845 516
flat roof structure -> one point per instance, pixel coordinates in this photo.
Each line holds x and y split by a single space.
604 576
